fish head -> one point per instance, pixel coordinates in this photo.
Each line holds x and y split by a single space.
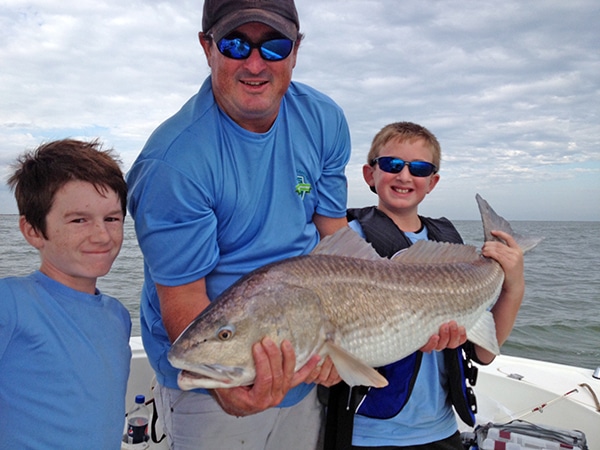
213 354
215 351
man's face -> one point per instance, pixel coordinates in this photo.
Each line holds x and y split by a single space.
250 90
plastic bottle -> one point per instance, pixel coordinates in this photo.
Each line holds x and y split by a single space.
137 422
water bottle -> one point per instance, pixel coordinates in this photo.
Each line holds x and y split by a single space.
137 422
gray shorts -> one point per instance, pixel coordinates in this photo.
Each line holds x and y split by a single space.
196 421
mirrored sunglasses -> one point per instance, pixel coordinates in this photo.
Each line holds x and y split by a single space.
395 165
270 49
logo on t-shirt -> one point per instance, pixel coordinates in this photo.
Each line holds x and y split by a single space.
302 186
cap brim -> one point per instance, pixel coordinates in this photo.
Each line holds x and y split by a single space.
231 22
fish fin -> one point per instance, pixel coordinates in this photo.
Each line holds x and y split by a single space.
352 370
346 242
492 221
483 333
431 252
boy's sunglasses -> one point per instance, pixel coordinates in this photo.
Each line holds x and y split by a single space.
395 165
270 49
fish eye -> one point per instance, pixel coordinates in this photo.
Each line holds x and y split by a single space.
225 333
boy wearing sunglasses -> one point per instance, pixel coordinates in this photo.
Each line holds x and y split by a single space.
415 409
249 171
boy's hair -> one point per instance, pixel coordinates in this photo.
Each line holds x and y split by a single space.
40 173
405 131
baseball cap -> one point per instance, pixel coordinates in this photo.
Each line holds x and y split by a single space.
220 17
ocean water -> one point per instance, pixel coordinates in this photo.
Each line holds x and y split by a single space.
558 322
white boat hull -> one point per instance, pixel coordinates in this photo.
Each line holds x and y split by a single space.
539 392
509 388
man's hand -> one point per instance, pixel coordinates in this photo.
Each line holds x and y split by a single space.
325 374
274 378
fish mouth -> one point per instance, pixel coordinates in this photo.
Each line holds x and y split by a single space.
209 376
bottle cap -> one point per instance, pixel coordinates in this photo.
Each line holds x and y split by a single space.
140 399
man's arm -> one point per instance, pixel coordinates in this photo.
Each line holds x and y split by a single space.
179 305
328 225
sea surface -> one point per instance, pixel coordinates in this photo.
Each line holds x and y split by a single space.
559 320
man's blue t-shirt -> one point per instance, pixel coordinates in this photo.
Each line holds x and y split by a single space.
211 199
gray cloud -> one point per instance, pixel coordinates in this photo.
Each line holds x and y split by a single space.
511 89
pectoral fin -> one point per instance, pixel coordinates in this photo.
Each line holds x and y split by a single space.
483 333
352 370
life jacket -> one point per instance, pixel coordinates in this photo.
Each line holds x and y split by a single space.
383 403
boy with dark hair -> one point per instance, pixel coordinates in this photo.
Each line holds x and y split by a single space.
64 346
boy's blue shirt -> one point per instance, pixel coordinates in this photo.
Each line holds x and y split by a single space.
64 360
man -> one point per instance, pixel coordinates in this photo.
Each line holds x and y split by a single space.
249 171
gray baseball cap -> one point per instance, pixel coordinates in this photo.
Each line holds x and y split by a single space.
221 17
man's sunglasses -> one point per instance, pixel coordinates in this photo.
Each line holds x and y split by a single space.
270 49
395 165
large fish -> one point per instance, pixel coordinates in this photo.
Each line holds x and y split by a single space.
345 301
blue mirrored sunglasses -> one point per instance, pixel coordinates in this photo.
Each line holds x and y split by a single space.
395 165
270 49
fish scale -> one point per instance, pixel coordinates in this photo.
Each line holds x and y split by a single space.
393 311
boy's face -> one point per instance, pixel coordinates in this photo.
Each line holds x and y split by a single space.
401 193
85 233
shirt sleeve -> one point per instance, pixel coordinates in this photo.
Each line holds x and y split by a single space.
333 185
174 222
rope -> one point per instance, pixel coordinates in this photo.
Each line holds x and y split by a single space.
592 393
540 408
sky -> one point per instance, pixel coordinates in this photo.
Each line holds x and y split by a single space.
511 89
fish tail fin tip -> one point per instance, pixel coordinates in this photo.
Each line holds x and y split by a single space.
492 221
352 370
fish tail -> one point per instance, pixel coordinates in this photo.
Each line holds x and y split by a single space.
492 221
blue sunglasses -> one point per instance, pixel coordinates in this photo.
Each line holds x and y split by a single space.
270 50
395 165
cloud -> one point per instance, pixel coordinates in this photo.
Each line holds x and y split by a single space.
510 89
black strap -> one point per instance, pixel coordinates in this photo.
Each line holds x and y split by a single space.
153 427
342 403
